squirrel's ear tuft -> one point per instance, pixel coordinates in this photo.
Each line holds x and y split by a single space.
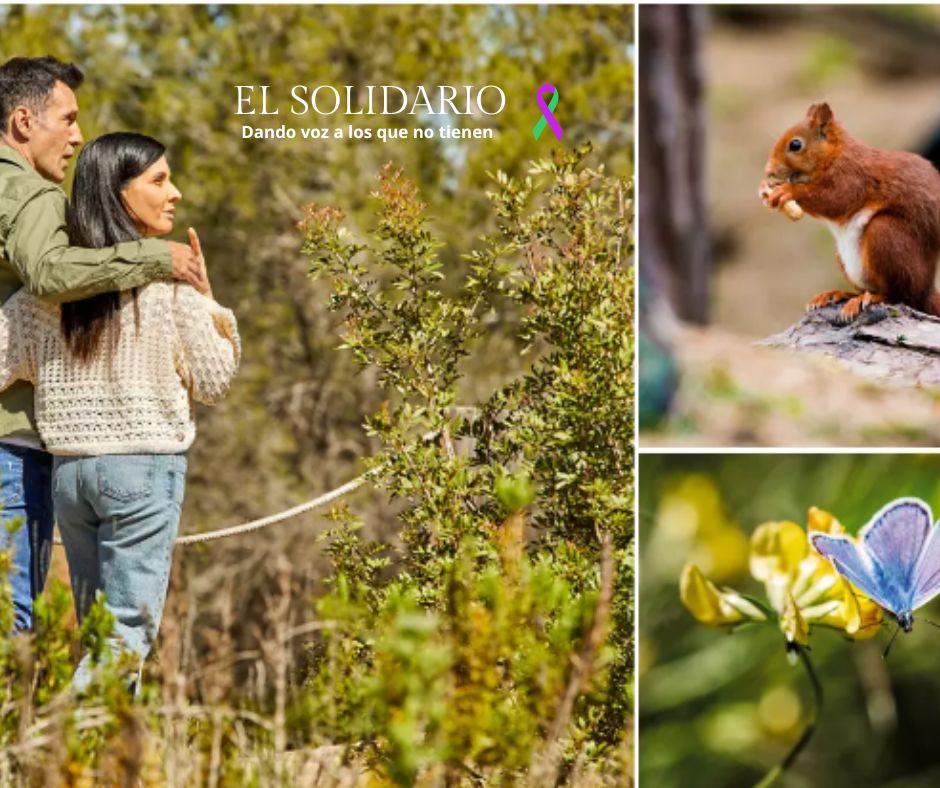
819 116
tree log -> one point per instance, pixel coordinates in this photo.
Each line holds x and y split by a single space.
893 344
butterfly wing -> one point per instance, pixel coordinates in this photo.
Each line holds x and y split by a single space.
854 565
895 539
927 576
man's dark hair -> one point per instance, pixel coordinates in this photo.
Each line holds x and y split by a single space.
30 80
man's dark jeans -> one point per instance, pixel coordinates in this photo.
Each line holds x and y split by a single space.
26 498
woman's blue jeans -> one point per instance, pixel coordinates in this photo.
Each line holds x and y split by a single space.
119 515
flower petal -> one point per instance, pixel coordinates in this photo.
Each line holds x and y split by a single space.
821 520
851 612
865 616
825 585
824 612
777 548
742 604
793 624
709 605
869 620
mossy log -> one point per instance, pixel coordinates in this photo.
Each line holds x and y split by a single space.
889 343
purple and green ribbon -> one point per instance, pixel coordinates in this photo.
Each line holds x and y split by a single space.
548 118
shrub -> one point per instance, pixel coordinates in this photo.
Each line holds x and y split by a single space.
506 505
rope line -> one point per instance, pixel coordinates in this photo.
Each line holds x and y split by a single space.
271 519
313 503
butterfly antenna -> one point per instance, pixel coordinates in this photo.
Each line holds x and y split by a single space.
888 647
932 623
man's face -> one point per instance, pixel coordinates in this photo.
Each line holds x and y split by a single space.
55 134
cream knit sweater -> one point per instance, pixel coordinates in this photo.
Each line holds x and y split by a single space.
136 400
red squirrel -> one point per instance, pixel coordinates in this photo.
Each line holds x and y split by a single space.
883 207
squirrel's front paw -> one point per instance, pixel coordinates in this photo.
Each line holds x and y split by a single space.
766 187
776 196
829 297
858 304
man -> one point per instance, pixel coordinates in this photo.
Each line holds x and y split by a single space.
39 133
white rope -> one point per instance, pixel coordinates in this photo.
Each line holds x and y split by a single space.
271 519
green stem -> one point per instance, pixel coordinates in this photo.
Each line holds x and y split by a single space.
774 774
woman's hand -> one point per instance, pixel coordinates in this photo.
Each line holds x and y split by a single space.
205 288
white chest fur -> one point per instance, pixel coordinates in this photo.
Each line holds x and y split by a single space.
849 244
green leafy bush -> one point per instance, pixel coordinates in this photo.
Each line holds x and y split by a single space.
506 505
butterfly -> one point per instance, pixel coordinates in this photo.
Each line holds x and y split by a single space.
895 561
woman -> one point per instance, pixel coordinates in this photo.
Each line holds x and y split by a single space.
115 378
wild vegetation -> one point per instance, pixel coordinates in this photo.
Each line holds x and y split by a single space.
492 641
458 618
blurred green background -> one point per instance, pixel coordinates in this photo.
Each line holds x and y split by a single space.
720 709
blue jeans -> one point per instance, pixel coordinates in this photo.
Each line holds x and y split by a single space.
118 515
26 497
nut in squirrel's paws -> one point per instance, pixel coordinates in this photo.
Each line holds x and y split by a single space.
792 209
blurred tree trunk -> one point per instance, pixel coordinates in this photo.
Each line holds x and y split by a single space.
673 233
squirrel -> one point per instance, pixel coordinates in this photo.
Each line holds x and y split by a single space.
883 207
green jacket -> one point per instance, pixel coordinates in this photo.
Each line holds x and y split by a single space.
35 252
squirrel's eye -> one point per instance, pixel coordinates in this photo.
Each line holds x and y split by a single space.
795 145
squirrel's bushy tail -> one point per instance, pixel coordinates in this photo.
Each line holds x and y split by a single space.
933 303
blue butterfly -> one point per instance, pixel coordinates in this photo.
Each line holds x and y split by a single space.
895 561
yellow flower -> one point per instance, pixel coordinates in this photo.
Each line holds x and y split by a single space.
711 606
792 572
777 549
801 586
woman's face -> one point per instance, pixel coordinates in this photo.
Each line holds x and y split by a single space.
151 199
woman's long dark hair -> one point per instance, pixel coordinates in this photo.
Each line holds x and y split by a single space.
98 218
